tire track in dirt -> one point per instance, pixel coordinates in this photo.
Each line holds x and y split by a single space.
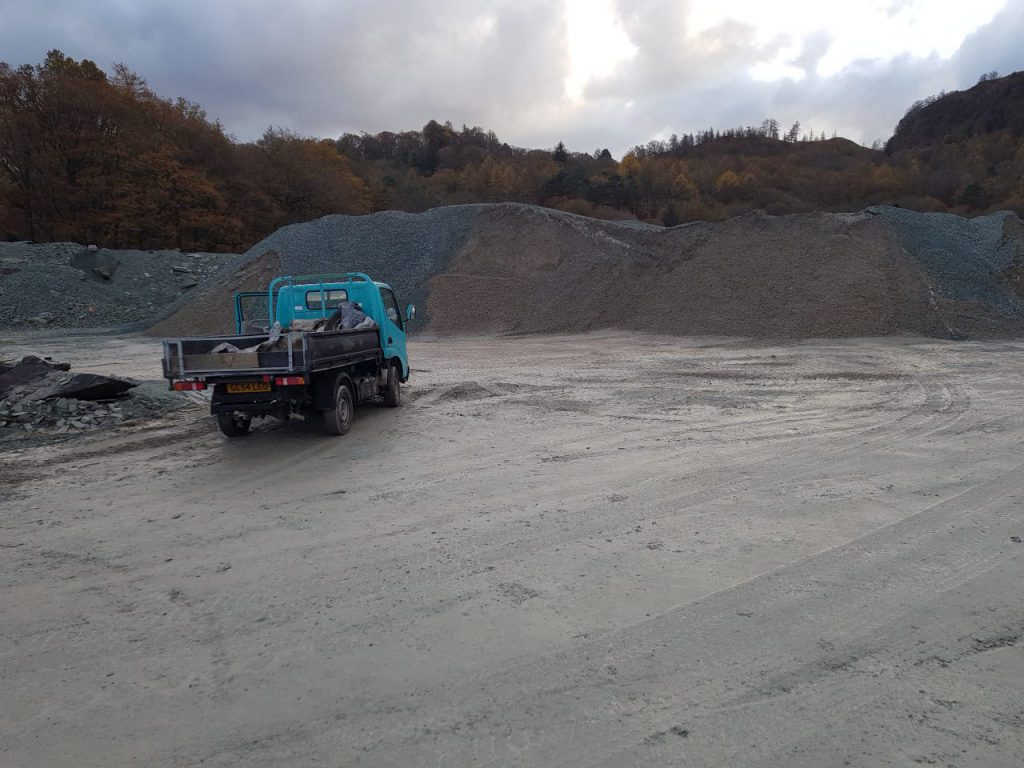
943 400
646 656
939 401
851 678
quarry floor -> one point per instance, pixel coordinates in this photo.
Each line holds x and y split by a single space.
600 550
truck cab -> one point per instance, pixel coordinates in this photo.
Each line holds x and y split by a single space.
318 296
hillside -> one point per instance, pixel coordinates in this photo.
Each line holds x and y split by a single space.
991 106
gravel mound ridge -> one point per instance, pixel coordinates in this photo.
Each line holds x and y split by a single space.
211 310
795 276
402 249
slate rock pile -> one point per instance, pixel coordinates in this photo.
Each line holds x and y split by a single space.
42 397
59 416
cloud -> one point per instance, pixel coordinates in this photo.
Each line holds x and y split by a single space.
996 46
322 67
317 67
686 78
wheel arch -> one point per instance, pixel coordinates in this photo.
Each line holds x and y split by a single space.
403 369
325 387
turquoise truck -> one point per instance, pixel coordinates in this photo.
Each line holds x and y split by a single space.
294 352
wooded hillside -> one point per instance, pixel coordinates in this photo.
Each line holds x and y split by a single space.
99 158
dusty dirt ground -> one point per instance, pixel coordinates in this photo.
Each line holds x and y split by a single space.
601 550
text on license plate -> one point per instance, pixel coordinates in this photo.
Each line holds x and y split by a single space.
249 386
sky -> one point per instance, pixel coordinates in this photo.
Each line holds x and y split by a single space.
591 73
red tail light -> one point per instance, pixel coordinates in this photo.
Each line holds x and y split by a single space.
290 381
188 386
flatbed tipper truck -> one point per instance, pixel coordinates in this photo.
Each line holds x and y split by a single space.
280 362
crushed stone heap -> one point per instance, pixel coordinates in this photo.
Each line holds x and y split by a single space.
511 268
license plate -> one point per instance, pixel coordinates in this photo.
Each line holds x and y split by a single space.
249 386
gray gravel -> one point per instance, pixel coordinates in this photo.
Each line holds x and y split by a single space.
70 285
402 249
65 285
961 256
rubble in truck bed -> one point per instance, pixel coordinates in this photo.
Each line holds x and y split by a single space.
41 398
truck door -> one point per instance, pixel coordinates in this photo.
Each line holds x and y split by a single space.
394 331
251 312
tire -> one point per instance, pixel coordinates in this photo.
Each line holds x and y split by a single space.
234 424
338 419
393 391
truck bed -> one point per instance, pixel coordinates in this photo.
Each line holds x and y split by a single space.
296 352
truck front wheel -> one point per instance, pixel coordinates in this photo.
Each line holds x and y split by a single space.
338 419
393 391
234 424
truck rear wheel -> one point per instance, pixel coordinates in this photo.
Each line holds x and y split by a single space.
393 390
338 419
234 424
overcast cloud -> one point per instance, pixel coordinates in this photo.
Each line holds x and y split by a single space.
594 73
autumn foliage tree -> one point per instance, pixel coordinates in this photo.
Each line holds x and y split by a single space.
102 159
97 157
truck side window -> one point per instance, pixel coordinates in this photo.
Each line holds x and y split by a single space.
391 307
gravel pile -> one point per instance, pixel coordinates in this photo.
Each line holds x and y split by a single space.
60 416
814 275
67 285
967 261
211 310
518 268
402 249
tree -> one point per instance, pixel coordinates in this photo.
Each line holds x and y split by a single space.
561 154
793 134
973 196
683 188
629 165
308 178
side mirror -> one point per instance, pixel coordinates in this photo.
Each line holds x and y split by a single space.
410 312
